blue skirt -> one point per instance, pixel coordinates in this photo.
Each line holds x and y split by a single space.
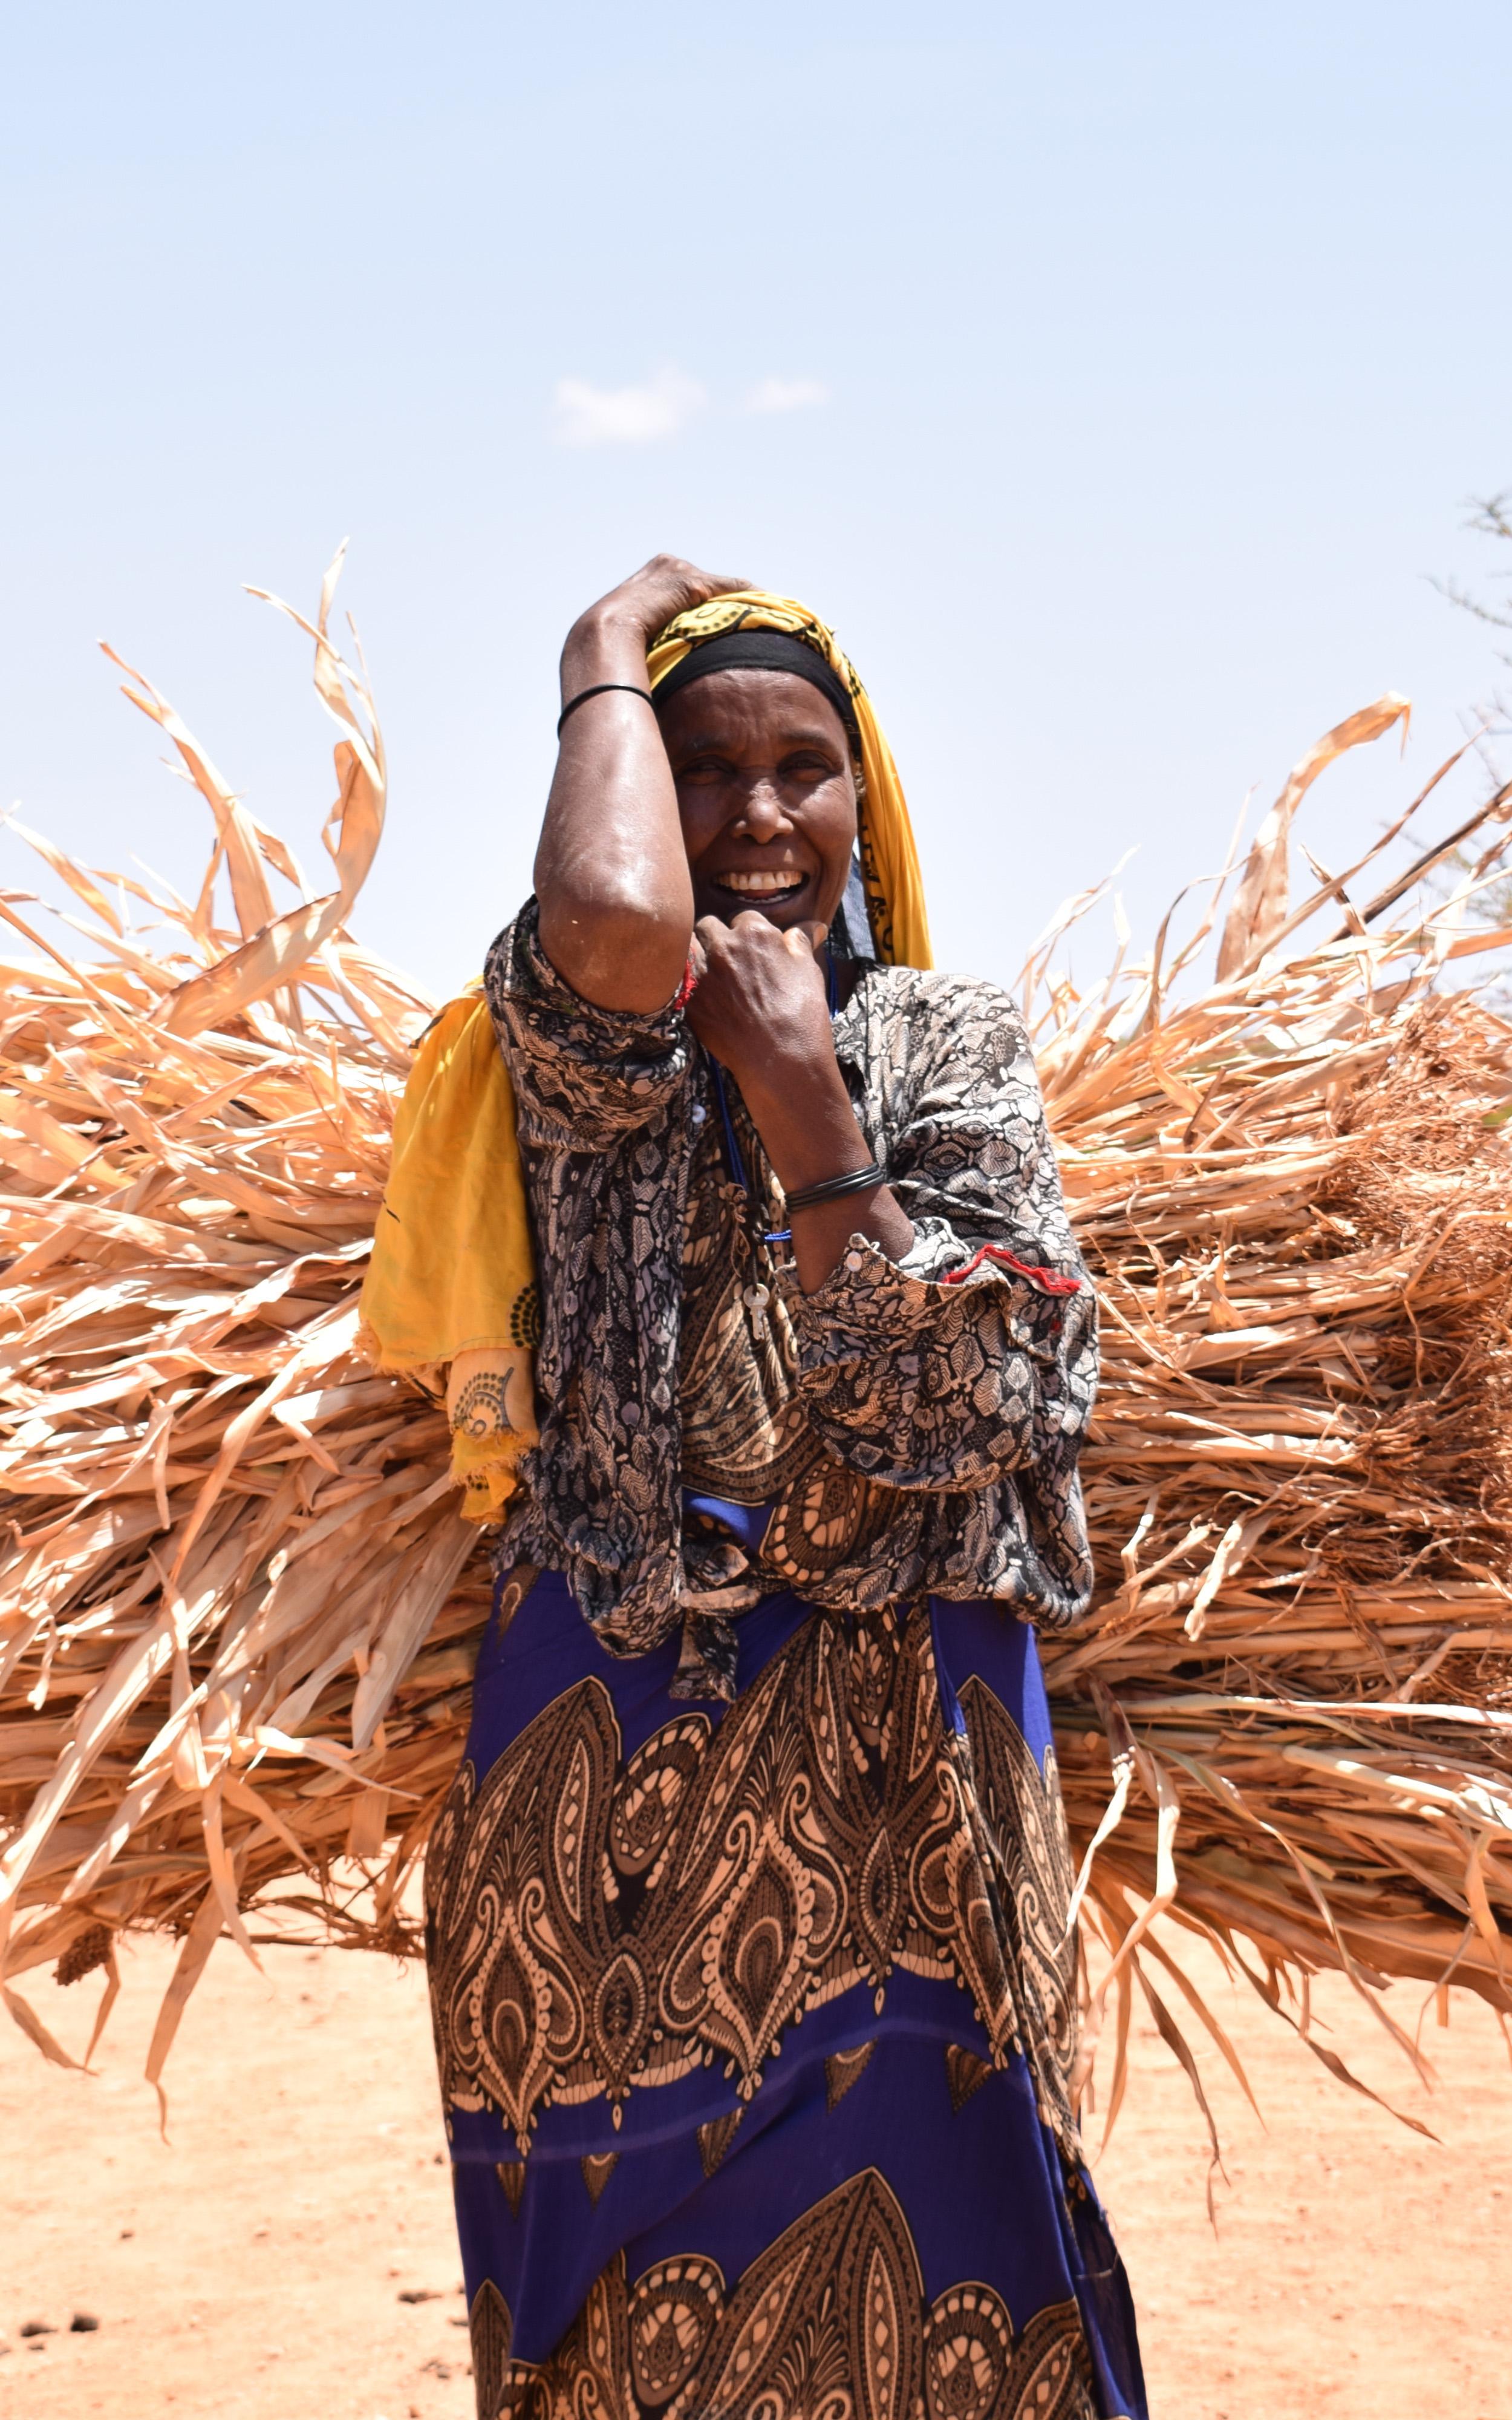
754 2025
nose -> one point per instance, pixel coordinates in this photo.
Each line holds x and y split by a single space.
763 815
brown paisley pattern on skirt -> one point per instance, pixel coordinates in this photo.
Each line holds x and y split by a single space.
1024 1817
829 2323
599 1924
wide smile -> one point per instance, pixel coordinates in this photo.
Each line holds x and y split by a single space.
764 886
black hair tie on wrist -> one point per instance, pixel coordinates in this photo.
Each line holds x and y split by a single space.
598 691
834 1188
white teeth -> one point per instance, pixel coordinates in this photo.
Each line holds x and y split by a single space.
763 884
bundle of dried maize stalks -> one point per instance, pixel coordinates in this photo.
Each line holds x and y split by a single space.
238 1607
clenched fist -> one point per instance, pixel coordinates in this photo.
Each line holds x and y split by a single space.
761 1006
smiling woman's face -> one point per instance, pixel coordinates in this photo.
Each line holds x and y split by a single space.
766 794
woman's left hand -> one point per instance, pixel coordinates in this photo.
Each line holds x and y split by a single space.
760 1007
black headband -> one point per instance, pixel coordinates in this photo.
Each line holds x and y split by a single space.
765 651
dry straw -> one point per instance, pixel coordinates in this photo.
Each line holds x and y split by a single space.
239 1608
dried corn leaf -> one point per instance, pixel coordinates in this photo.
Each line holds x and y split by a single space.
240 1610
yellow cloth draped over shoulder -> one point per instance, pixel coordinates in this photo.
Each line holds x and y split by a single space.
451 1294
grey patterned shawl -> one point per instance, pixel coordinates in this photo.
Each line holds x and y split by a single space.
955 1387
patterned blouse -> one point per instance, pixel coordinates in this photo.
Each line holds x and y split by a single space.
915 1425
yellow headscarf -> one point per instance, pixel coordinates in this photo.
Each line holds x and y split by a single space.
451 1290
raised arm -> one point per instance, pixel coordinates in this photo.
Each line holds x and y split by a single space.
616 901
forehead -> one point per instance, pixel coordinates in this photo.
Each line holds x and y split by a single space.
747 707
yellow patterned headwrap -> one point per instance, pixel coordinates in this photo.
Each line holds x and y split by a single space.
451 1292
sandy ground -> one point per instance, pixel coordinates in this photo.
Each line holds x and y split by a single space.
257 2266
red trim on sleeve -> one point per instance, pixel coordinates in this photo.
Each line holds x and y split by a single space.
687 986
1047 1281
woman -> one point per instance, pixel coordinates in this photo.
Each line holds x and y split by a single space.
750 1968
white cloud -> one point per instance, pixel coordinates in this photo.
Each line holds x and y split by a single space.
627 415
786 395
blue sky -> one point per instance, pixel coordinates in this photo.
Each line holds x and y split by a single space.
1113 380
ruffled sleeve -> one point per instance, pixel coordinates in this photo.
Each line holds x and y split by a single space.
975 1355
583 1076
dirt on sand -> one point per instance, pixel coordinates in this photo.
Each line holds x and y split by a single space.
287 2254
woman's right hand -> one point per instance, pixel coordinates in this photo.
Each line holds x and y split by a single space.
637 608
616 899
